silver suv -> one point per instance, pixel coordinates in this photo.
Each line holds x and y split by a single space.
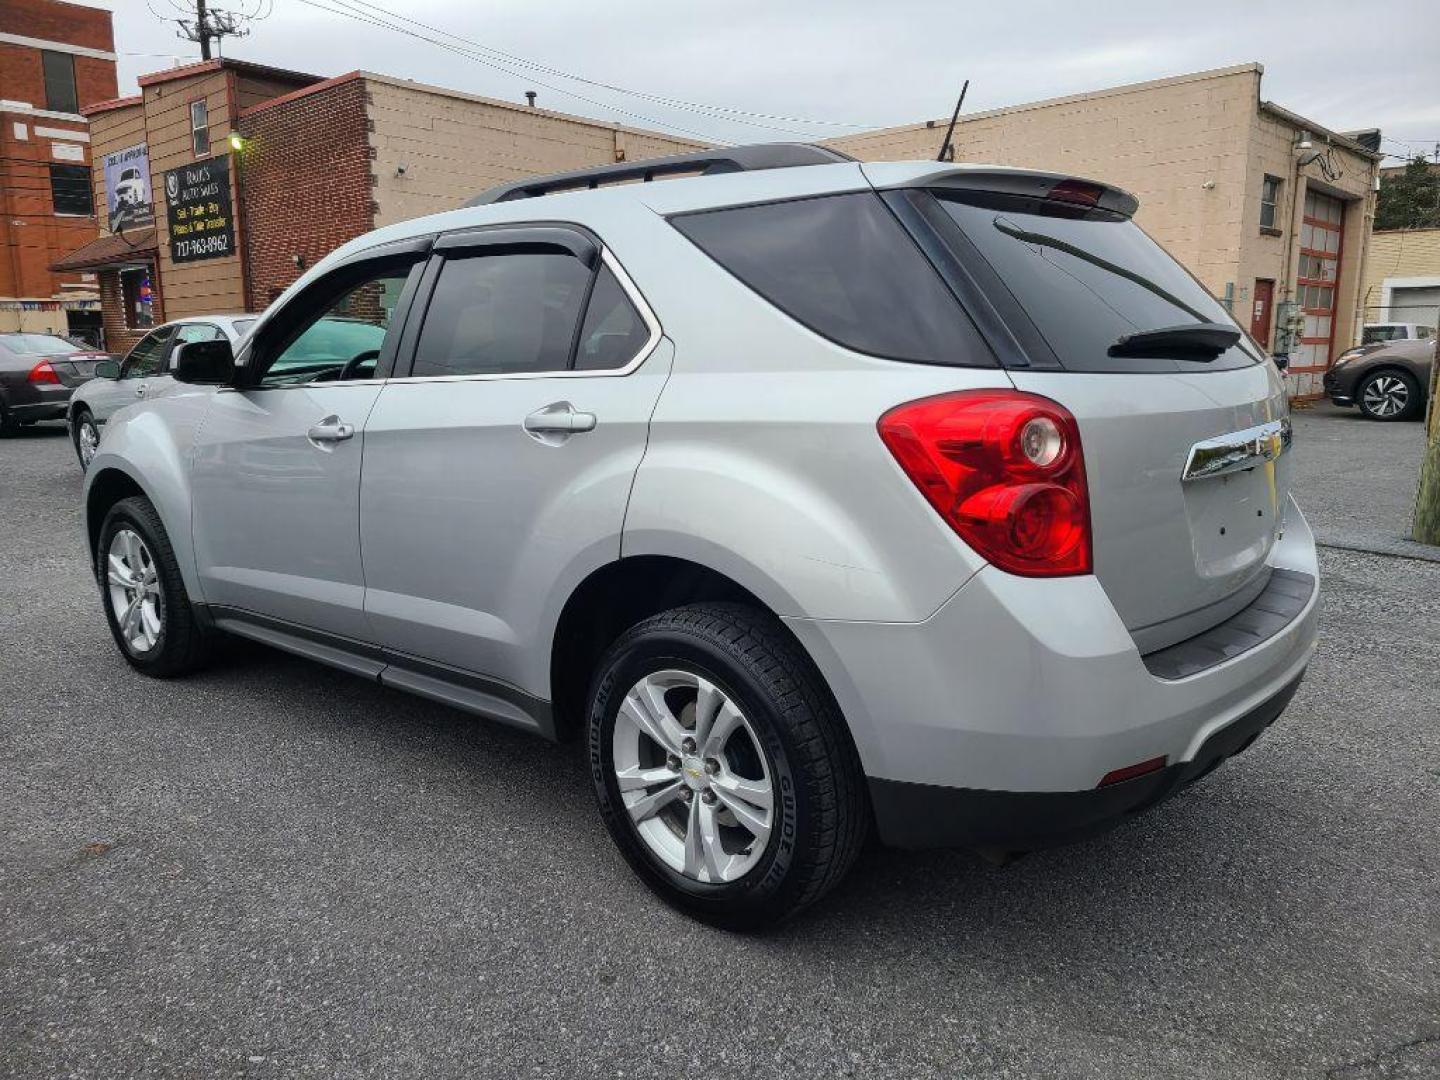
816 497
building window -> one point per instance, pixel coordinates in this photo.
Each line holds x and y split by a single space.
70 190
59 81
200 128
1270 203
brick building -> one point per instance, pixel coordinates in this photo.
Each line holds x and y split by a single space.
319 162
1272 212
55 59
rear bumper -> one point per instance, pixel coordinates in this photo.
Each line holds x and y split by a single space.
927 815
50 409
1025 693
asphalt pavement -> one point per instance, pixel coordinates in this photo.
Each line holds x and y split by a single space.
277 870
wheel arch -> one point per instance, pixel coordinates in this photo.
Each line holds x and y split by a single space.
620 594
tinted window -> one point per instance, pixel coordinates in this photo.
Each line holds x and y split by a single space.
844 267
70 189
59 81
35 344
144 359
498 314
1375 334
349 333
1087 277
613 332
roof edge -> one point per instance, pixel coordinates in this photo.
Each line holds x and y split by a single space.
112 104
1282 113
224 63
304 91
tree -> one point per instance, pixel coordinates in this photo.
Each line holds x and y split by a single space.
1410 199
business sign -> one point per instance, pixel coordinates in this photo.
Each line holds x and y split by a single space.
198 211
127 188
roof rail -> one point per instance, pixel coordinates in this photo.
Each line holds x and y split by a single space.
701 162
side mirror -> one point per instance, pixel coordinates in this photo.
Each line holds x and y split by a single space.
1281 361
107 369
207 363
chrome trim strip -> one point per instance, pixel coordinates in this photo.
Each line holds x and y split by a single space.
627 284
1238 451
636 297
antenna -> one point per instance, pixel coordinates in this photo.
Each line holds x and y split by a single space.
947 151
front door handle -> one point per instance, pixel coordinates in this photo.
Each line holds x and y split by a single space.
331 430
559 418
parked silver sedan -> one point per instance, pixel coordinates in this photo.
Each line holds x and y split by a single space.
144 373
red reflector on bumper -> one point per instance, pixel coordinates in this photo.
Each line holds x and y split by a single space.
1129 772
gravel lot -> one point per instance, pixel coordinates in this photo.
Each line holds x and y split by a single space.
273 869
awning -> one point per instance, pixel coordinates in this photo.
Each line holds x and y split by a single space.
136 246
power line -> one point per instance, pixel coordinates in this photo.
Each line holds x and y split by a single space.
722 111
492 64
508 66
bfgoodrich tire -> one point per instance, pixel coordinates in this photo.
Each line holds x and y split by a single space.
722 768
143 594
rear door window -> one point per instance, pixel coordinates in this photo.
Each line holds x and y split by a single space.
1087 277
502 314
844 267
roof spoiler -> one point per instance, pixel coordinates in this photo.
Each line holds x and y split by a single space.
699 163
1058 187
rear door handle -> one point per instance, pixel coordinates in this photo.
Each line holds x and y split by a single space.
331 430
559 418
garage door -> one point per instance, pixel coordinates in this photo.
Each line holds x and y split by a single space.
1415 305
1315 290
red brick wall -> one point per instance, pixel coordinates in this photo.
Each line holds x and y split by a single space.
21 75
118 337
31 235
305 182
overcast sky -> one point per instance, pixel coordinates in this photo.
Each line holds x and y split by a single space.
854 63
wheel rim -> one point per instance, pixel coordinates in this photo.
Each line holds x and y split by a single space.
136 601
1386 395
693 776
88 439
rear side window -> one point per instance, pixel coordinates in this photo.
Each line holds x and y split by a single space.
844 267
613 332
502 314
1087 277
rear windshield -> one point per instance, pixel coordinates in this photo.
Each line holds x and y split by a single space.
36 344
1087 277
843 266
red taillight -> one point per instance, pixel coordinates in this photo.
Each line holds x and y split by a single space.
1005 470
44 373
1077 191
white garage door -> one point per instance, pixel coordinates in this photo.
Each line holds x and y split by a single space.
1416 305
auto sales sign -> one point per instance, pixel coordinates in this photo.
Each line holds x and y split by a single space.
198 211
127 189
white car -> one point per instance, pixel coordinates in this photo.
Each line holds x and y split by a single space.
130 189
1376 333
144 373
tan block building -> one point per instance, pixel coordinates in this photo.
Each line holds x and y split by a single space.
1226 182
1402 277
313 163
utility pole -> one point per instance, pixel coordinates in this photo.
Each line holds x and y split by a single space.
1426 528
211 24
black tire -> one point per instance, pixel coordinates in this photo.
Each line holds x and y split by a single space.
821 814
1372 384
183 644
82 417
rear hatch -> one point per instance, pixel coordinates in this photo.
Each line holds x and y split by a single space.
76 368
1072 281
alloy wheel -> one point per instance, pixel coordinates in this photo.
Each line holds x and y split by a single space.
136 601
1386 395
693 776
87 441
